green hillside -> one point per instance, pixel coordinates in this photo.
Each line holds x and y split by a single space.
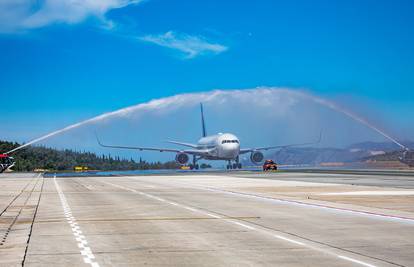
36 157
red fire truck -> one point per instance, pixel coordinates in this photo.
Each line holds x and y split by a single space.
6 162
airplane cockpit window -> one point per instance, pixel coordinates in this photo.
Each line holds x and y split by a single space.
229 141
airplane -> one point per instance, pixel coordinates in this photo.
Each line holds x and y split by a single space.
221 146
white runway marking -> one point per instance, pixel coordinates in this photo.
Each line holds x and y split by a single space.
290 240
356 261
191 209
241 224
371 193
245 226
369 214
85 250
313 205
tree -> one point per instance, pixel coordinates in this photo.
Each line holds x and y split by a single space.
38 157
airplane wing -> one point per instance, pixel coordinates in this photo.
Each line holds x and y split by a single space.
182 144
247 150
198 152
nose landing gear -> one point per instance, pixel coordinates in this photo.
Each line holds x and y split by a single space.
236 165
233 166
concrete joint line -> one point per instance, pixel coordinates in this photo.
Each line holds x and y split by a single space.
244 225
313 205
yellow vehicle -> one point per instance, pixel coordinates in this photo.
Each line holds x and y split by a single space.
185 168
81 168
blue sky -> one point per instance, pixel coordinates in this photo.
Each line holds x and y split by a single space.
63 62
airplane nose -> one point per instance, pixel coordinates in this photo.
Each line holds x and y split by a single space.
231 150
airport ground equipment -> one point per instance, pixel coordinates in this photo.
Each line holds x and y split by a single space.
407 157
6 162
269 165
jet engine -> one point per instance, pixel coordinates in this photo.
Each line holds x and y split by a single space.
256 156
182 158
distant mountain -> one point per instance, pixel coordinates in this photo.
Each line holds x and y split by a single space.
297 156
406 157
380 146
388 156
359 152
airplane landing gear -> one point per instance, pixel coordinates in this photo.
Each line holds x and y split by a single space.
195 165
229 166
236 165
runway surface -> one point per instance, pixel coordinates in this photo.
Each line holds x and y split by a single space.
205 219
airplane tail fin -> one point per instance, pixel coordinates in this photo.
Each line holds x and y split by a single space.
203 125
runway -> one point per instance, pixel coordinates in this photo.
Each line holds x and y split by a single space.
207 219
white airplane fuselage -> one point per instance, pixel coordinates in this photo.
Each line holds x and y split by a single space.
224 146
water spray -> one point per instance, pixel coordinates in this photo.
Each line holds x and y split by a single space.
357 118
181 100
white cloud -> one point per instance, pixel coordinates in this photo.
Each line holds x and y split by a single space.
20 15
191 46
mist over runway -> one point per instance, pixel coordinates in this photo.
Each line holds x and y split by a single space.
207 219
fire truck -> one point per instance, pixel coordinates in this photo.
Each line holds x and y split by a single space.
6 162
407 157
